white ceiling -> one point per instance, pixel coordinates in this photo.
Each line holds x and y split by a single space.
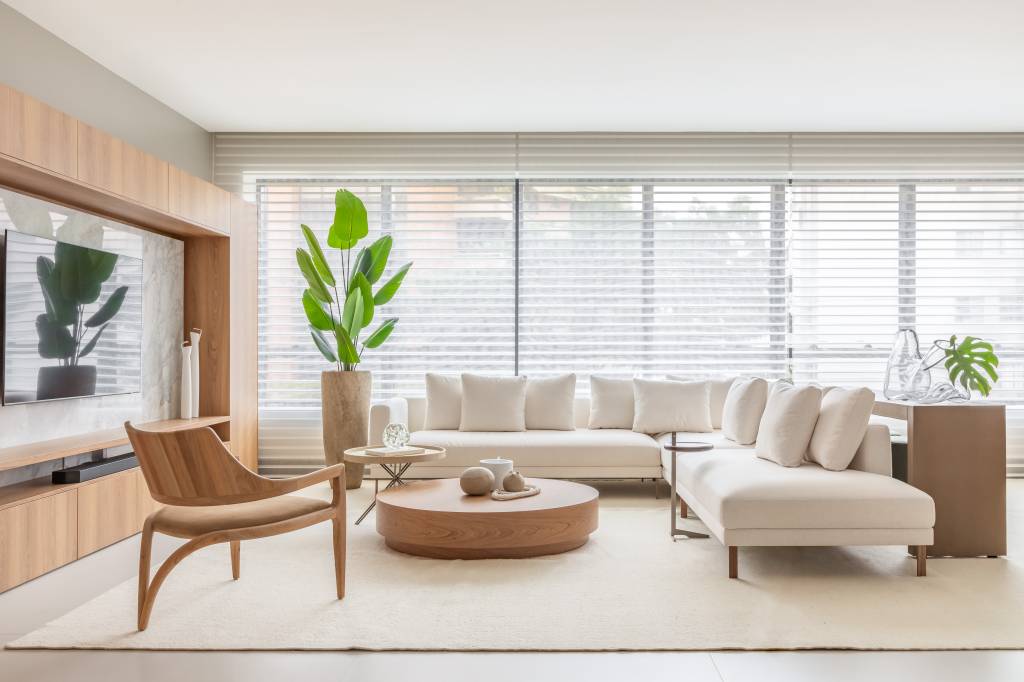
562 65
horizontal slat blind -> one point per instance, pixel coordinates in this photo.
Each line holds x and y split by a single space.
649 278
876 156
455 307
242 159
652 155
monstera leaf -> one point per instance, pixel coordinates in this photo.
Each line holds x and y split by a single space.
972 363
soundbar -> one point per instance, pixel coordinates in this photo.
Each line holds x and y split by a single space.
91 470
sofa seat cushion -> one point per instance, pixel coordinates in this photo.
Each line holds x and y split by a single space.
746 492
582 447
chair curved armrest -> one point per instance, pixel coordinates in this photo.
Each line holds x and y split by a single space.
290 485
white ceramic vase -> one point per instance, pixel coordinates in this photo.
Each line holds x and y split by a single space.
500 468
194 336
186 381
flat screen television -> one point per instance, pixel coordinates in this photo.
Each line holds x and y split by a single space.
72 321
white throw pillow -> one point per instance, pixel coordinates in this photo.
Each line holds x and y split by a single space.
744 405
842 423
611 403
787 423
662 406
493 403
551 403
444 403
719 391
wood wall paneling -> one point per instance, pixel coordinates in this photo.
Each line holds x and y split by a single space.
208 307
38 134
100 158
244 385
37 537
195 199
145 177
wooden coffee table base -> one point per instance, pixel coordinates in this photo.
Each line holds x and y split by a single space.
435 519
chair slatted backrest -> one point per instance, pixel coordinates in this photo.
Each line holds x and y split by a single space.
192 467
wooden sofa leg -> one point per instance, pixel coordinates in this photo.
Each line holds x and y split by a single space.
683 510
236 558
922 560
734 562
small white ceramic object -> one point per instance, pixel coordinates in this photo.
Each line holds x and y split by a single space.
186 381
499 467
514 483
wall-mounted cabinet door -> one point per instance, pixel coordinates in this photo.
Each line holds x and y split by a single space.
37 133
106 162
37 537
199 201
111 509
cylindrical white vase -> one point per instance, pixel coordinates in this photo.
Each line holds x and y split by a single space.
499 467
194 336
186 381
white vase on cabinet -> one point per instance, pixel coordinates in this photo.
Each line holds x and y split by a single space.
194 335
186 381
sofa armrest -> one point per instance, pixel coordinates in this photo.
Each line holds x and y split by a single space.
875 452
395 410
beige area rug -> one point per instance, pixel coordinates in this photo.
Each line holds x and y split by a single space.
629 588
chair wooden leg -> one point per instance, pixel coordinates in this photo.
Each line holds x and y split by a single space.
145 556
176 557
236 558
734 571
922 560
338 528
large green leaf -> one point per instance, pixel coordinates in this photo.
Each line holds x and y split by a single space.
379 252
110 308
388 291
972 363
101 264
350 224
315 313
363 263
316 285
381 333
352 314
323 345
59 308
346 348
317 256
363 285
92 343
55 340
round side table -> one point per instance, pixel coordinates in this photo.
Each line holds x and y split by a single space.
395 465
677 448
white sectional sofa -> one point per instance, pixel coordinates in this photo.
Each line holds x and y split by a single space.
742 499
581 454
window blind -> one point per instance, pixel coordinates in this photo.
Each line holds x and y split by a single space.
455 307
650 278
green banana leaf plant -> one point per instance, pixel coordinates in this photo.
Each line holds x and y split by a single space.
71 280
336 317
971 363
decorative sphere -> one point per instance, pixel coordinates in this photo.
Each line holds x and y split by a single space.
396 435
514 482
476 481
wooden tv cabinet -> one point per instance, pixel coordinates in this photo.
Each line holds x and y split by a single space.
956 453
48 154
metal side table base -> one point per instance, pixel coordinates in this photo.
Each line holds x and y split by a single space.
676 450
395 471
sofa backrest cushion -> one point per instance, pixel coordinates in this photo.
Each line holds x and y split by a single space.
551 403
841 425
611 403
444 402
662 406
493 403
719 390
787 423
874 455
744 405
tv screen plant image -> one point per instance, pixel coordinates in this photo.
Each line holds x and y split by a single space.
340 303
80 298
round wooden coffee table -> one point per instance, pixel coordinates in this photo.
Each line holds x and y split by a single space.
436 519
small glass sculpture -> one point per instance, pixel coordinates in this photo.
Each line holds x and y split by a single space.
908 374
395 436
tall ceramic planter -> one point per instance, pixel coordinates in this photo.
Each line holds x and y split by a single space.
346 417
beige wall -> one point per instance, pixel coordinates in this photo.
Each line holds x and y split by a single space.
41 64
